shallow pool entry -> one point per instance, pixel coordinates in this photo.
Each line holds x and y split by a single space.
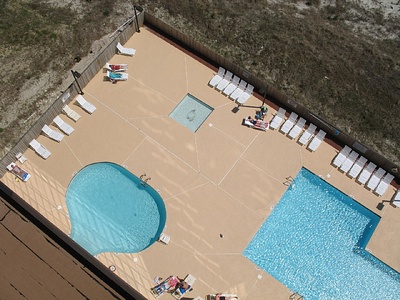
191 112
111 211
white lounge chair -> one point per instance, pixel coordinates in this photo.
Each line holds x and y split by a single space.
19 172
317 140
65 127
125 51
71 113
384 184
117 67
341 156
261 125
278 118
40 149
239 90
289 123
231 86
179 291
164 238
357 167
297 128
375 178
21 158
245 95
53 134
396 199
307 134
349 161
89 107
114 77
217 77
366 173
225 81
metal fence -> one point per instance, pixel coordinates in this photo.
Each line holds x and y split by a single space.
125 32
264 88
272 94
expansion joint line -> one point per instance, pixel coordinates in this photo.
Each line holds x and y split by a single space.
73 153
241 155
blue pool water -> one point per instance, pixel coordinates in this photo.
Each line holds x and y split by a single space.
314 242
110 211
191 112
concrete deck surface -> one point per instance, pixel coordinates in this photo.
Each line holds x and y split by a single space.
224 179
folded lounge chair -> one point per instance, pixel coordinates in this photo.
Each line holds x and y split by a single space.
341 156
298 127
125 51
375 178
278 118
117 67
40 149
53 134
366 173
239 90
245 95
183 287
258 124
65 127
289 123
114 77
19 172
71 113
384 184
357 167
164 238
217 77
317 140
349 161
21 158
165 286
89 107
225 81
231 86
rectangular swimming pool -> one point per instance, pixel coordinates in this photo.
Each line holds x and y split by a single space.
314 242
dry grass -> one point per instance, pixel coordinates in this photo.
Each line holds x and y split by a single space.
341 61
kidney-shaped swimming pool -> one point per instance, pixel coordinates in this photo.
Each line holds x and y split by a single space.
112 211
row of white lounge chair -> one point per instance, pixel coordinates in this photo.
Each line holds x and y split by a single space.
232 86
62 125
355 165
293 126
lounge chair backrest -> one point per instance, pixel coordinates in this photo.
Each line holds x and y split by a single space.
311 129
221 71
281 112
242 85
228 75
249 89
293 116
235 80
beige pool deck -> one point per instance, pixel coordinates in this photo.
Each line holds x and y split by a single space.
224 179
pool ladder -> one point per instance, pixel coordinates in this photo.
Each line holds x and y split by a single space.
143 182
289 181
294 295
